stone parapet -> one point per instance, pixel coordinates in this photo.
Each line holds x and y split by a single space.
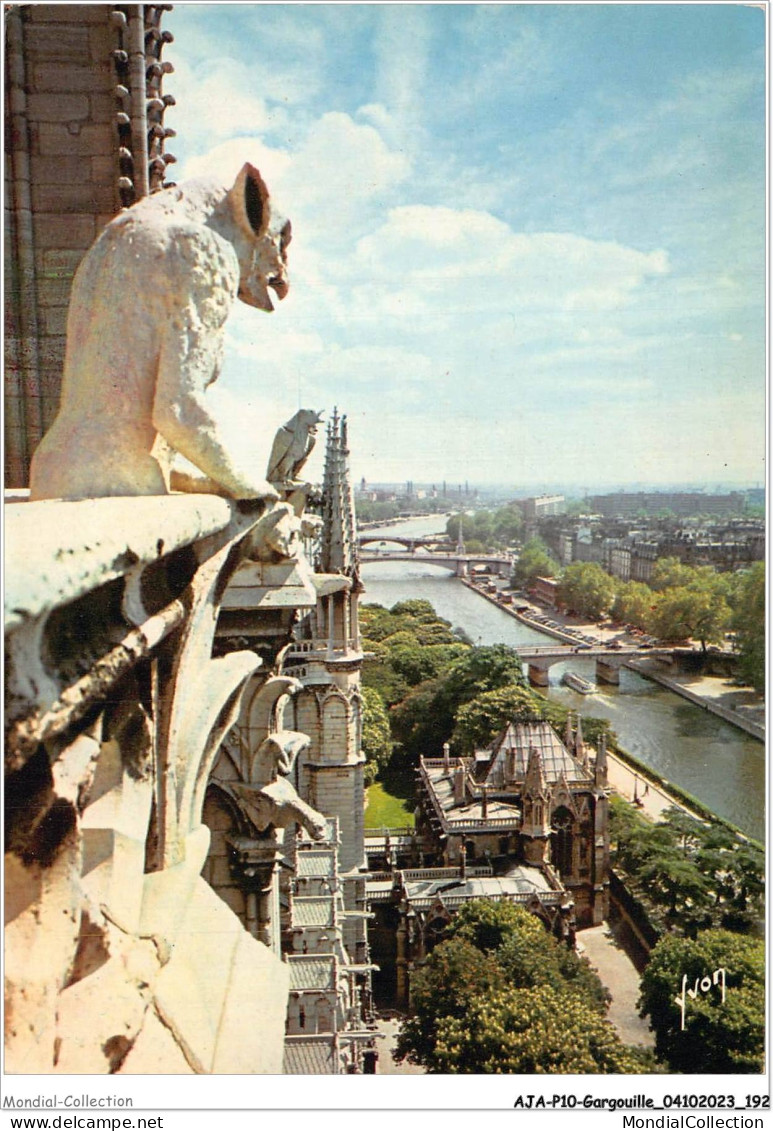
116 709
57 551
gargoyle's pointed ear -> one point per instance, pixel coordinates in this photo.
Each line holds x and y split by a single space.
249 201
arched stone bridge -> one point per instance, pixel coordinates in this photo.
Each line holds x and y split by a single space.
406 540
460 564
540 657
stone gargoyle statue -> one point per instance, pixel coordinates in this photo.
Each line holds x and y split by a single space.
279 805
276 755
293 444
271 799
145 335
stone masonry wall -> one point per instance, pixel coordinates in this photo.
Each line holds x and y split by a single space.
61 149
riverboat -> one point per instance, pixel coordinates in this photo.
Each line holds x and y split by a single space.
578 683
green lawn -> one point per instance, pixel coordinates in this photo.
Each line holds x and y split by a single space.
385 810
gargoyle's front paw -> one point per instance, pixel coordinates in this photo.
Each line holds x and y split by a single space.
311 524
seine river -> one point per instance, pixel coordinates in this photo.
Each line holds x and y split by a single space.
712 760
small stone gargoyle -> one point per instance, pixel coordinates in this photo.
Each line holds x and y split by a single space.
293 444
275 802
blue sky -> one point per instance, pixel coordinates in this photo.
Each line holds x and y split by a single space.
528 239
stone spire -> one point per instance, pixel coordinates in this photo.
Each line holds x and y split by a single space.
601 762
339 552
460 536
534 784
535 825
580 752
568 732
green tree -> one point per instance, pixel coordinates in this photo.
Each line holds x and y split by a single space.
479 721
692 874
508 523
487 924
373 511
419 662
534 560
527 954
463 1020
749 624
524 1031
416 607
700 612
446 985
673 880
407 644
718 1037
376 733
670 573
586 588
633 603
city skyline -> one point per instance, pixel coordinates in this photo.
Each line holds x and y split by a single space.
528 239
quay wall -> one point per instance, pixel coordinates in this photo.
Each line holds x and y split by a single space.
564 637
729 716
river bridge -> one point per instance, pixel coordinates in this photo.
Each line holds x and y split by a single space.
410 542
609 658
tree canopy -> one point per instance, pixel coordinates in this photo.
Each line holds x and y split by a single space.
633 603
749 624
586 588
534 560
376 734
480 720
500 994
691 874
699 611
487 530
539 1030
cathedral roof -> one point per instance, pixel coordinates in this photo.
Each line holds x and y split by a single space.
315 1057
312 911
521 880
521 739
311 972
316 863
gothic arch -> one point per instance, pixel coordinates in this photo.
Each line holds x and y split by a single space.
358 709
337 712
218 804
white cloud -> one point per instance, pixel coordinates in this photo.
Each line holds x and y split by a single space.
227 158
456 264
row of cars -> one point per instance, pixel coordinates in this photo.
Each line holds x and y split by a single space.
541 618
642 640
